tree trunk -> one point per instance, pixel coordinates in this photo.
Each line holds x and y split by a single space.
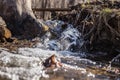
19 18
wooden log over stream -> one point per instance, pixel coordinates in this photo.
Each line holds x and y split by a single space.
51 9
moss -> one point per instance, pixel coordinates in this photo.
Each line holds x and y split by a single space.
83 5
106 11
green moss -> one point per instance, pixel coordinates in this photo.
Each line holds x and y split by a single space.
83 6
107 10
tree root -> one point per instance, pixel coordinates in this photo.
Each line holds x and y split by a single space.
101 29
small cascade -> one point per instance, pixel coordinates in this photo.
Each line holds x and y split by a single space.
62 36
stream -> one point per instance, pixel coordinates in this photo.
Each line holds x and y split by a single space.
65 42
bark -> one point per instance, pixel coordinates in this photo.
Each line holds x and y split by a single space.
19 18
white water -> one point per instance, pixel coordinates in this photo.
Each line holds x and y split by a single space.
66 39
26 63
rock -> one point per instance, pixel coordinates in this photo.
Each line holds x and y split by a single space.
5 33
44 26
52 62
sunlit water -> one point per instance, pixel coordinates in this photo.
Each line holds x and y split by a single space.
26 63
68 42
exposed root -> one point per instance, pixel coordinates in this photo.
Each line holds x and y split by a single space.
98 22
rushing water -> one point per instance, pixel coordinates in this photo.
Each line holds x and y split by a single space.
69 42
63 41
62 38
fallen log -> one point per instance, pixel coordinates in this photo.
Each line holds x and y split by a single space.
51 9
